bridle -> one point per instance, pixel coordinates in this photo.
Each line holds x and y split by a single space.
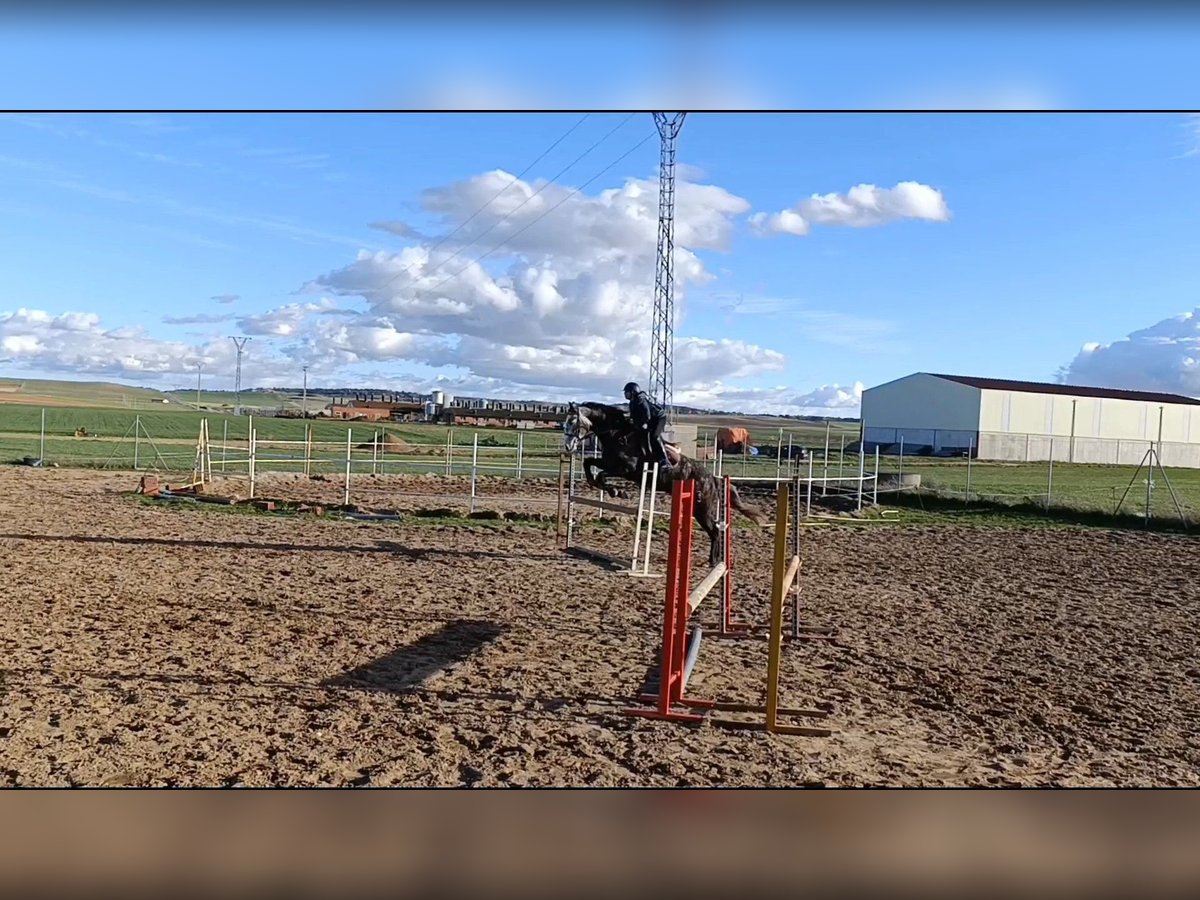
575 428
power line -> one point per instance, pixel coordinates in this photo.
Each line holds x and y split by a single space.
487 253
504 218
516 178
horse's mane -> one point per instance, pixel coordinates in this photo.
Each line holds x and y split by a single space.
612 416
607 407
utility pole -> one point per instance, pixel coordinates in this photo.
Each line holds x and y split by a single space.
662 346
304 401
240 343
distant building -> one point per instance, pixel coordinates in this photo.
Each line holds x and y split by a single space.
464 411
998 419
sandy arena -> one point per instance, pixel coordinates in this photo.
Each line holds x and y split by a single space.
170 645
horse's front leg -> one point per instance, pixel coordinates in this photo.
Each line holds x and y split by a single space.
589 473
594 475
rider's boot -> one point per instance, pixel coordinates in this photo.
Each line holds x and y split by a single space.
664 461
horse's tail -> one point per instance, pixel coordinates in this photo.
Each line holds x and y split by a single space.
735 501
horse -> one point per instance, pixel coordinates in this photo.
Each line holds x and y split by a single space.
622 456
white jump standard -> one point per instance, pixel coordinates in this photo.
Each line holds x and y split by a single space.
643 515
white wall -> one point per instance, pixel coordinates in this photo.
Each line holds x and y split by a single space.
921 409
1094 417
1017 425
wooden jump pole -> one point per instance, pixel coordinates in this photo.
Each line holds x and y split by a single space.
558 522
649 522
346 488
307 449
677 649
251 464
783 574
781 583
474 467
637 534
206 473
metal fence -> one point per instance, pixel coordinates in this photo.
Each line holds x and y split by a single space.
1053 478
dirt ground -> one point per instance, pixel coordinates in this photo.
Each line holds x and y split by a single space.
178 645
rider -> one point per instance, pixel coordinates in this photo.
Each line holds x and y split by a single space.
650 420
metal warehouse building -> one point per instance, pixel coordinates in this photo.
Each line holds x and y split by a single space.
1027 421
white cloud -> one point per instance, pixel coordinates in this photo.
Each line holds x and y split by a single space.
396 227
76 344
1191 124
863 206
283 321
201 319
567 300
1163 357
827 400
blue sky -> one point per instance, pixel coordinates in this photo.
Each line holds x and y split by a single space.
995 243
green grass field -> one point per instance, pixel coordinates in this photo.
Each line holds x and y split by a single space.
167 438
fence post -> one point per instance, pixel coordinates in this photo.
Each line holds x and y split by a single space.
474 468
450 452
779 453
375 453
224 441
1149 481
137 440
1050 476
900 466
875 485
520 451
42 442
808 499
970 456
825 474
861 460
346 489
841 460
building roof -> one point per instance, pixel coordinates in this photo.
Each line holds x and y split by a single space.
1073 390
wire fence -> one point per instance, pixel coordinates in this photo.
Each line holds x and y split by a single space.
832 467
1143 487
